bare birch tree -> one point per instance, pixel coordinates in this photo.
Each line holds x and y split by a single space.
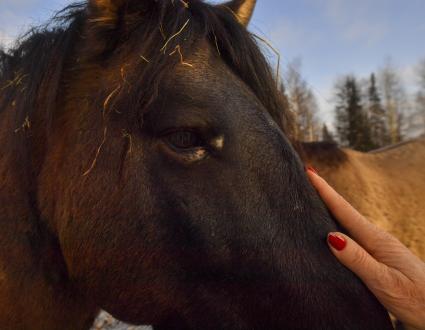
394 101
419 119
302 103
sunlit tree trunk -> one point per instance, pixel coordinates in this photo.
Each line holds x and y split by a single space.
303 104
394 101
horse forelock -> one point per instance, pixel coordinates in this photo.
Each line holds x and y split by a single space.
40 57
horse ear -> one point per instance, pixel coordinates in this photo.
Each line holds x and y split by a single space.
243 9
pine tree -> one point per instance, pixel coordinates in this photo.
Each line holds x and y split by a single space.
378 129
326 134
352 124
420 98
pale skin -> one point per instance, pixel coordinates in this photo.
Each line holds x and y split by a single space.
388 268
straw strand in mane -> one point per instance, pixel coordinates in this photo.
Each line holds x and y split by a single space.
55 42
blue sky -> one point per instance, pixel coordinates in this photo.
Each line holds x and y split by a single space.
333 37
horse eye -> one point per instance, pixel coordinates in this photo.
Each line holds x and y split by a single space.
184 140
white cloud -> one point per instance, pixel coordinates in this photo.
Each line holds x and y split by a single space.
15 20
324 96
409 76
370 33
357 21
292 38
11 26
6 40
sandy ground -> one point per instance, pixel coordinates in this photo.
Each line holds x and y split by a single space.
106 322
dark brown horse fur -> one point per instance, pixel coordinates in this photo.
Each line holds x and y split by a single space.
326 153
146 169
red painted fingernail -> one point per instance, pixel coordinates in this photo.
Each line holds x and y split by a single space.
312 169
336 241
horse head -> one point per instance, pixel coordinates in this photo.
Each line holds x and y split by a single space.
169 182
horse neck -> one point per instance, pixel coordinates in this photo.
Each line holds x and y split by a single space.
35 292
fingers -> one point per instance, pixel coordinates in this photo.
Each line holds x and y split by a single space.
357 259
359 228
381 245
388 268
397 292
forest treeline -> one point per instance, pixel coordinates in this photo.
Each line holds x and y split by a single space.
368 112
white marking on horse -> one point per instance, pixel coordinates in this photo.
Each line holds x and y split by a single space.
218 142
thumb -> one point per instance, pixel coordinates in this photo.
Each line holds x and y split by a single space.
357 259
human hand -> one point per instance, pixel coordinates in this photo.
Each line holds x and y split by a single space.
388 268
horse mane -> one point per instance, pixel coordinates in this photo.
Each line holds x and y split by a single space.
325 152
396 146
31 72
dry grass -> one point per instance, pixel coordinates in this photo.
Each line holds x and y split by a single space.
19 77
184 3
268 44
108 100
26 125
99 149
144 58
105 128
174 36
216 44
178 50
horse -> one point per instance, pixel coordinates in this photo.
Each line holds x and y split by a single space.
387 185
147 169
